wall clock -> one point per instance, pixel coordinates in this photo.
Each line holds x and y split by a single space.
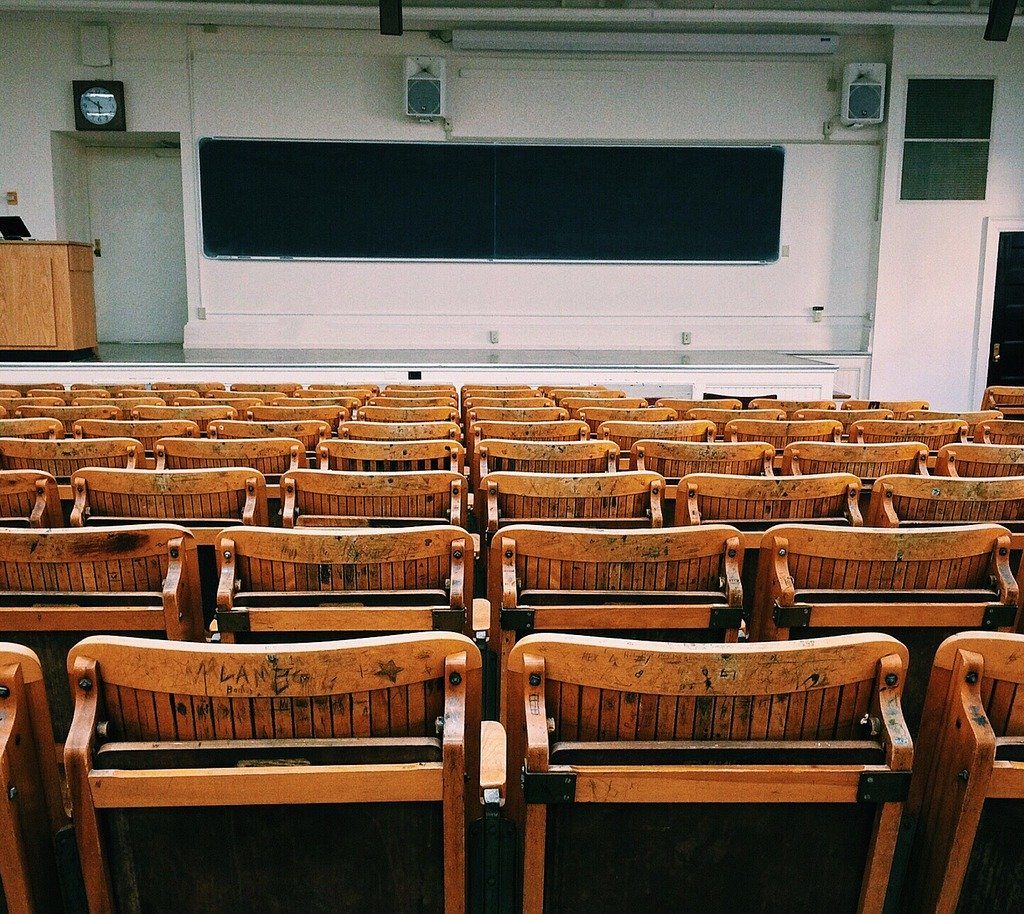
99 104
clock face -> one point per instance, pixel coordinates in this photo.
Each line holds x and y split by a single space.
98 105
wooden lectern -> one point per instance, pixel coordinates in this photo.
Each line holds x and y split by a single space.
46 297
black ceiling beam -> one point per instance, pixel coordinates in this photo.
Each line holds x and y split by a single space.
1000 18
391 17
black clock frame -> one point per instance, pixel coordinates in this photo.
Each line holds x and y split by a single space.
115 87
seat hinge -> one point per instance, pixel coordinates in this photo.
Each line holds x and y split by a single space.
233 620
726 617
798 616
516 620
549 787
883 787
999 615
448 619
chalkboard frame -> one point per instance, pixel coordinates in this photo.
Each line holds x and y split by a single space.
779 149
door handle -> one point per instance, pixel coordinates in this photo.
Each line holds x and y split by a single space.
995 352
96 248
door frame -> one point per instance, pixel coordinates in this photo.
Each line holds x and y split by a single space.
986 302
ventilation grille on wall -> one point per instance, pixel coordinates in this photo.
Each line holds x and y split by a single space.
946 140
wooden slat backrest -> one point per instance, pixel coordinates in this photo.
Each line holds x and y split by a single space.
326 498
343 401
200 386
69 396
62 457
418 390
516 414
390 456
565 430
791 407
867 461
286 387
970 460
682 406
558 394
13 404
32 786
408 414
973 713
899 408
575 404
271 456
310 432
781 433
146 431
526 402
29 498
494 454
498 390
8 393
594 416
626 434
399 431
89 385
846 416
23 389
332 415
125 404
714 497
674 459
239 403
1000 431
998 396
722 417
898 501
406 403
31 428
359 389
972 418
68 415
933 434
237 495
168 395
201 415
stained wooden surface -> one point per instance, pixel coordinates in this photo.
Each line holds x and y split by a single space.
674 459
399 431
1000 431
390 456
867 461
899 408
270 456
781 433
970 460
497 455
626 433
932 434
310 432
201 415
62 457
29 498
146 431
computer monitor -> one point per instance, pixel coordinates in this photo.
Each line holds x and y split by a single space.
13 229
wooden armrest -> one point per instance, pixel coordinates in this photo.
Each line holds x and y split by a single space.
481 614
492 758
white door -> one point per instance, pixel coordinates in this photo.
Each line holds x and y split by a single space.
136 213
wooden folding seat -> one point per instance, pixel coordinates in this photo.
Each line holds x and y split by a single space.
972 460
400 431
972 418
626 434
361 392
270 456
125 404
330 776
332 415
68 397
576 404
968 785
675 459
311 583
507 402
240 403
29 498
562 430
687 777
203 501
780 433
409 414
61 457
917 585
89 385
418 389
868 461
23 389
596 416
1008 400
932 435
56 586
167 396
548 390
345 402
682 406
752 504
200 415
146 431
631 499
13 404
310 433
792 407
899 408
200 386
9 393
409 402
722 417
844 416
558 394
69 415
516 414
324 498
31 428
286 387
494 454
391 456
1000 431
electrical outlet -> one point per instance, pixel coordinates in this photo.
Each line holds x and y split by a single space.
493 336
12 198
687 337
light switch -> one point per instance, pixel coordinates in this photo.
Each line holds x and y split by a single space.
12 198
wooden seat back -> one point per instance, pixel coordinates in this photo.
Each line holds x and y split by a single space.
310 432
90 385
29 498
31 428
868 461
35 818
146 431
922 584
361 390
899 408
498 390
758 751
327 759
58 585
561 392
285 387
69 415
327 498
515 414
1008 400
332 415
564 430
576 404
270 456
931 434
200 415
23 389
167 396
495 455
354 456
972 418
408 414
966 793
198 386
400 431
407 403
13 404
418 390
792 407
61 457
125 404
682 407
674 459
846 416
626 434
68 397
343 401
1000 431
722 417
195 499
343 581
240 403
754 503
512 402
970 460
916 501
781 433
594 416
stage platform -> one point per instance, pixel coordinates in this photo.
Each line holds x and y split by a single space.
651 372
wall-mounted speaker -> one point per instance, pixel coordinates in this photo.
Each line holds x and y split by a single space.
425 87
863 100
